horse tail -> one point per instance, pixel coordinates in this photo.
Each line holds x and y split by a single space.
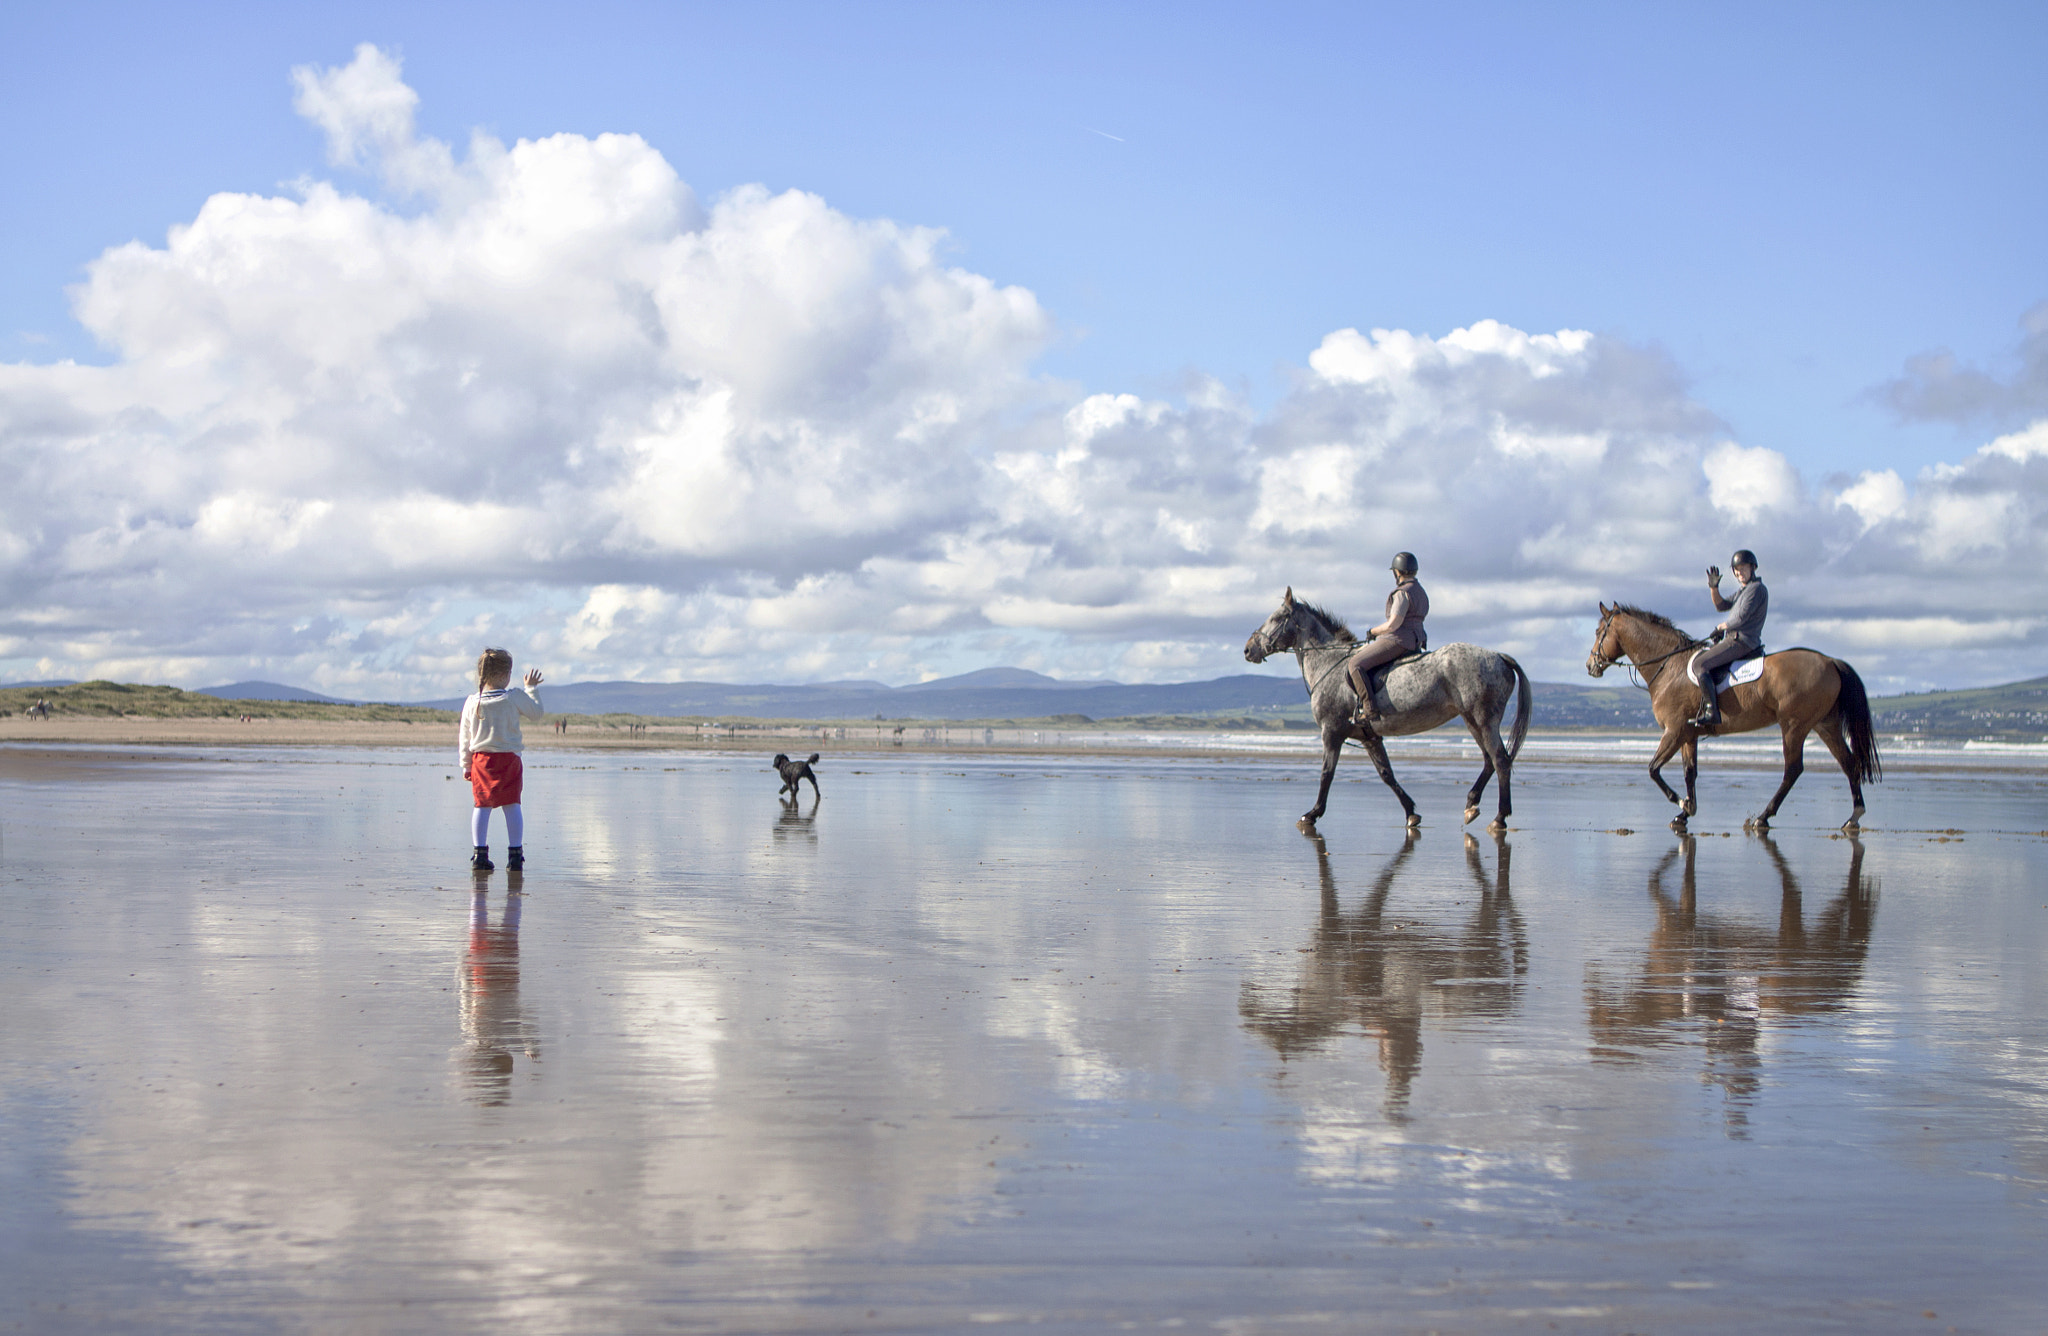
1523 701
1852 707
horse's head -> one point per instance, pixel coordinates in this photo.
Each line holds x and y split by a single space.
1606 650
1277 636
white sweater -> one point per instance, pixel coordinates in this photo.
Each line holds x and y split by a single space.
490 720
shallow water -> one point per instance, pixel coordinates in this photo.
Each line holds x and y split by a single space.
978 1040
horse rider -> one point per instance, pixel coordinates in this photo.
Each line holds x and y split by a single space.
1741 636
1400 635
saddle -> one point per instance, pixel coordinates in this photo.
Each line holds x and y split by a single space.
1748 668
1376 678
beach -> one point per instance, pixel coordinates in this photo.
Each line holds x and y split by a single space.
1068 1042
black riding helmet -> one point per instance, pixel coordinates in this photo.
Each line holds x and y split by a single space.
1405 564
1743 557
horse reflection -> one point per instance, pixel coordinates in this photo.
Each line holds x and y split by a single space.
494 1025
1720 976
1369 972
794 823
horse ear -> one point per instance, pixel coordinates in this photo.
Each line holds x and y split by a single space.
1603 609
1287 599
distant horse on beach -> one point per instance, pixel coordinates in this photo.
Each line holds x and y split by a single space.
1419 692
1802 691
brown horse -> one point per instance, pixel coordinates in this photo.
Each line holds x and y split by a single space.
1801 691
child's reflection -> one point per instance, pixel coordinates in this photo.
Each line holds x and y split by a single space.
494 1025
1718 976
1373 972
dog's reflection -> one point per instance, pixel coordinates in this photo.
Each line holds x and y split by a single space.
793 823
1372 972
1718 977
494 1025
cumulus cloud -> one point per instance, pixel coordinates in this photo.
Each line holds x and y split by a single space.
567 405
1936 387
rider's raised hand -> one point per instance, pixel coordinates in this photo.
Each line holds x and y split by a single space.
1713 577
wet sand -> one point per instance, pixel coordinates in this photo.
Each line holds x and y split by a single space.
1069 1042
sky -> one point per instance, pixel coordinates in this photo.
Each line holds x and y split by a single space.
811 342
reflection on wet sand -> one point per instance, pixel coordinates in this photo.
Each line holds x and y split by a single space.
1368 971
793 823
494 1024
1720 975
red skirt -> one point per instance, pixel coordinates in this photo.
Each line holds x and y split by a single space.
494 777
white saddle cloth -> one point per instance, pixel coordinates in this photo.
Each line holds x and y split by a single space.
1743 670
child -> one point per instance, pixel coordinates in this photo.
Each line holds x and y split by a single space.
489 744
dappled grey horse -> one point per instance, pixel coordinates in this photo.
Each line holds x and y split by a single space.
1414 696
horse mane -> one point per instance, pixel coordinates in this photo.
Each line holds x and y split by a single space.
1338 629
1653 618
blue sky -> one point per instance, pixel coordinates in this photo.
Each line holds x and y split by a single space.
1786 204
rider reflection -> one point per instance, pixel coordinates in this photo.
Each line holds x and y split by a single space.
1720 977
494 1025
1373 973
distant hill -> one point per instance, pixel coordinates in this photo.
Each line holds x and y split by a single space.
117 699
2015 712
1007 693
269 691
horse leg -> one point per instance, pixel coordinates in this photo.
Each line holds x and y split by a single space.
1377 749
1689 752
1795 762
1830 731
1478 789
1496 753
1333 747
1666 747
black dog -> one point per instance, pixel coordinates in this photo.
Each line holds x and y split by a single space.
794 772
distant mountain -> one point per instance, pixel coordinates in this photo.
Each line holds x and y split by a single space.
52 682
1012 679
971 696
270 691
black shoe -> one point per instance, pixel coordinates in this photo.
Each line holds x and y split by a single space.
515 858
480 861
1709 715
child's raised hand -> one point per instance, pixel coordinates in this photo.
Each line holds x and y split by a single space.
533 678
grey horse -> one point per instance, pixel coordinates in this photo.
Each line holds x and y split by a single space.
1455 682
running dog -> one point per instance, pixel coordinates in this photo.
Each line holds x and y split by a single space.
794 773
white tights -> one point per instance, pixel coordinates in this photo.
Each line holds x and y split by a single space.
480 825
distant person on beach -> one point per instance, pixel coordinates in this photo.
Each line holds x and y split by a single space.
488 742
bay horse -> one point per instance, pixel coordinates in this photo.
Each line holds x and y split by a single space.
1802 691
1455 682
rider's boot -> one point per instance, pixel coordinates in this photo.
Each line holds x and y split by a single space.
1710 710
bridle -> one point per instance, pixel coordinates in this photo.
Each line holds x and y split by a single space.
1634 665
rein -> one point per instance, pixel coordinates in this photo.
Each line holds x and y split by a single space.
1634 664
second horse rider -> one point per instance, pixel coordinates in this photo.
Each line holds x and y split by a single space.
1400 635
1740 637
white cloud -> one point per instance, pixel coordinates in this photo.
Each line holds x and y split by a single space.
573 408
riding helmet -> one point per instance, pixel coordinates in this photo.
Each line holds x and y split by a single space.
1404 563
1743 557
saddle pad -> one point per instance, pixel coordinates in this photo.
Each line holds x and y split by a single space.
1745 670
1735 674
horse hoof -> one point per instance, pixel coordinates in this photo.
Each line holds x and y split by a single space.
1852 827
1757 824
1678 823
1415 821
1498 826
1471 814
1307 819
